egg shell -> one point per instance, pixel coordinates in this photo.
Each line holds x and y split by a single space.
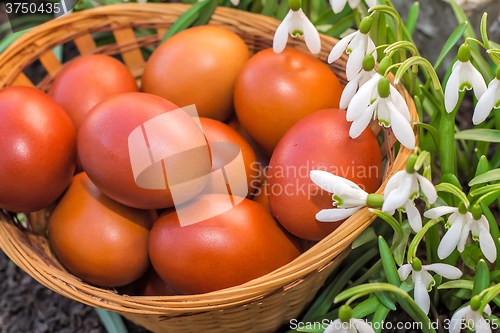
232 248
262 196
151 284
38 145
320 141
98 239
274 91
198 66
103 147
218 132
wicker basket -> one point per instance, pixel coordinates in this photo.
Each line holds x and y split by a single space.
261 305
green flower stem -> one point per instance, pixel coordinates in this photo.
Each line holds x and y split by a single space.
489 295
447 132
412 250
354 293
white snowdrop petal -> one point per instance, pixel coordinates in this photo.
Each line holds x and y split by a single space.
477 81
235 2
400 103
350 90
404 271
359 124
398 197
371 3
370 48
384 118
335 214
362 99
355 61
447 271
338 5
482 326
340 47
485 103
401 128
332 183
421 296
362 326
311 35
456 319
450 239
487 309
354 3
487 244
437 212
451 91
333 327
281 34
413 216
427 188
393 182
464 235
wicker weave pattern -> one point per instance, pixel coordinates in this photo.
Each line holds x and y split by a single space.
261 305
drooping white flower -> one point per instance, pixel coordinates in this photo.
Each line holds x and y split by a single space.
423 280
489 101
400 192
338 5
357 45
463 76
347 196
352 326
460 224
389 108
473 320
296 24
352 87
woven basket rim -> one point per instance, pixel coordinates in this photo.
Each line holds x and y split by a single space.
319 256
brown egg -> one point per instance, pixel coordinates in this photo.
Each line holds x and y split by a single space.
38 145
225 146
320 141
274 91
197 66
140 159
99 240
151 284
235 245
262 196
88 80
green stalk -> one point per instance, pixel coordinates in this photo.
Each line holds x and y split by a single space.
447 143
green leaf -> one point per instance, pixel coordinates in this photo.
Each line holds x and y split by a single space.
432 131
388 262
365 308
379 317
479 134
340 27
457 284
207 14
269 7
112 321
453 189
471 256
484 31
486 177
282 10
411 20
462 17
482 278
366 236
385 299
400 250
450 43
392 222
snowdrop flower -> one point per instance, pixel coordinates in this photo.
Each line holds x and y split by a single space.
357 45
389 107
359 80
234 2
347 324
460 224
338 5
473 320
403 188
347 196
463 76
296 23
423 280
489 101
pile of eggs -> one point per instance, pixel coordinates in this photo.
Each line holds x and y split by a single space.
113 226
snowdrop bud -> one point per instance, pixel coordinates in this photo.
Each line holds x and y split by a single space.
464 53
477 212
384 65
345 313
475 303
462 209
410 164
416 264
295 5
384 87
365 25
369 63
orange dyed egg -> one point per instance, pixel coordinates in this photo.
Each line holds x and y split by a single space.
320 141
